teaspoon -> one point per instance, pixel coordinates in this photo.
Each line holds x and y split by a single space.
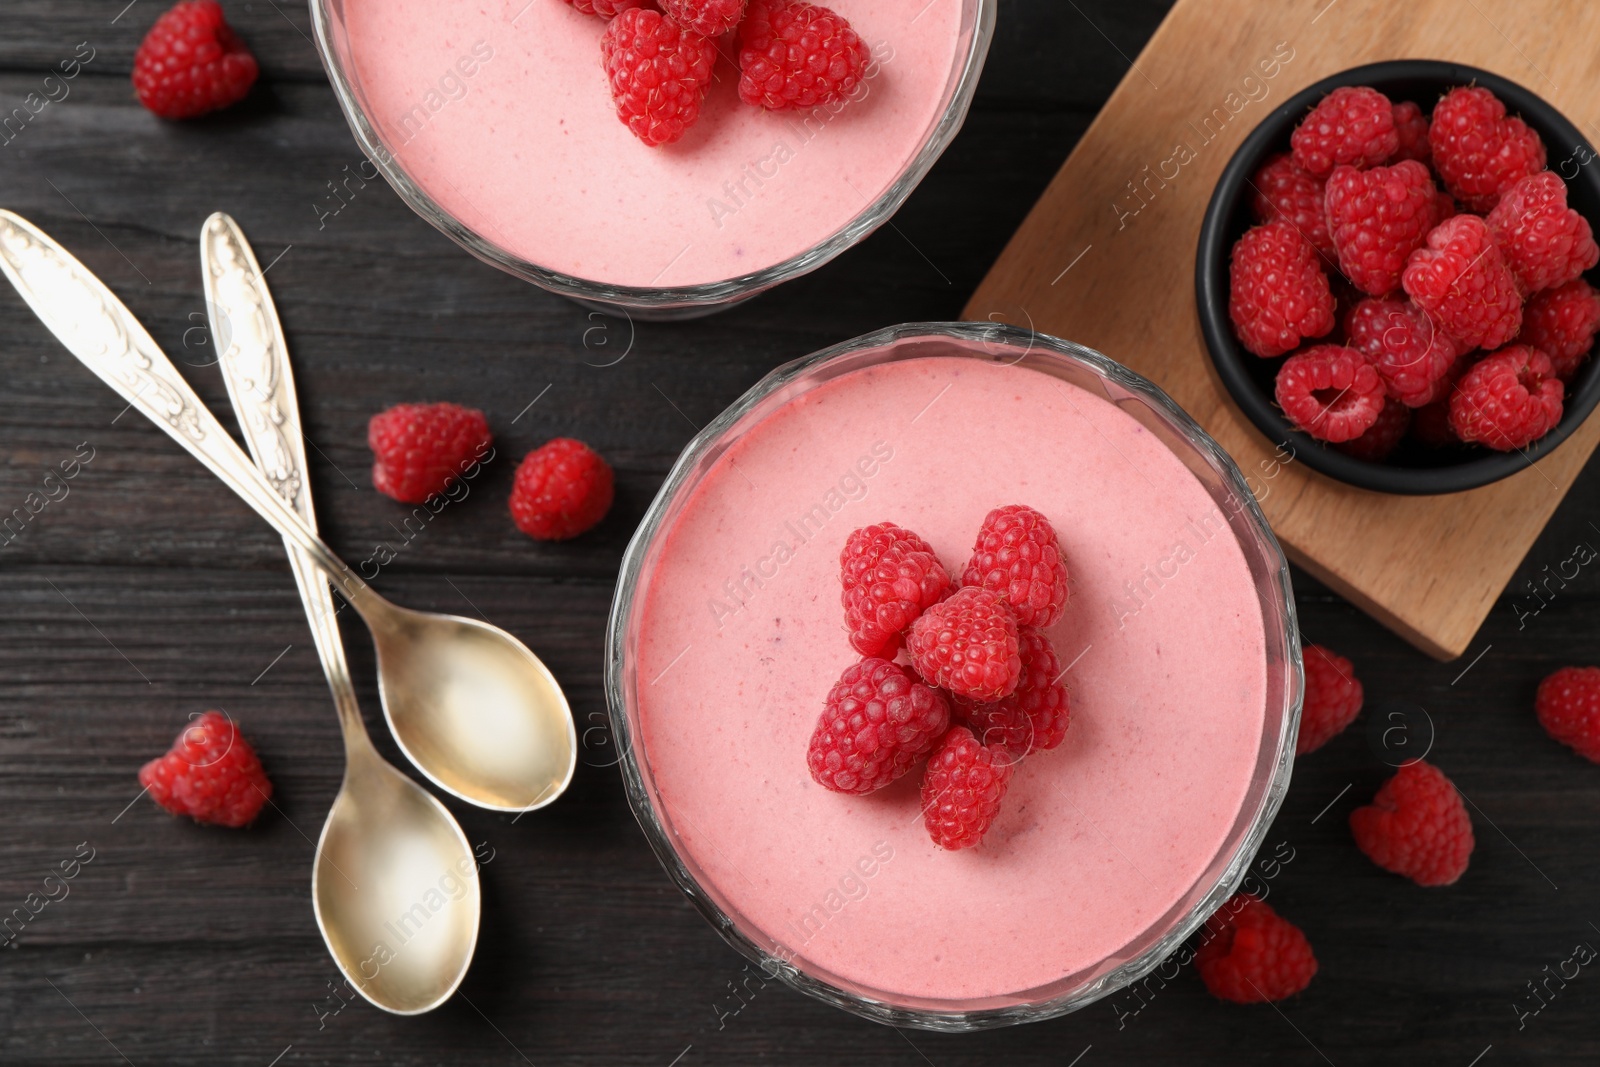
469 704
392 861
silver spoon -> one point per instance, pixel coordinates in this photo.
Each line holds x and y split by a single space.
387 843
477 712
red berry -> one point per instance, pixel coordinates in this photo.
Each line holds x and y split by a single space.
1478 152
962 788
1333 698
1353 124
1416 826
1383 436
1035 717
890 576
877 723
606 9
1568 706
1412 357
1018 557
708 18
1411 126
1545 242
798 55
1331 392
192 62
563 488
1462 280
1507 400
1430 424
1561 323
1378 217
211 774
968 645
658 73
419 449
1286 190
1252 955
1277 292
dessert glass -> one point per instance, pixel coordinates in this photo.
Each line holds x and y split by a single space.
977 19
1222 481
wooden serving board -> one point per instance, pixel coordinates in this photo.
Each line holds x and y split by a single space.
1106 258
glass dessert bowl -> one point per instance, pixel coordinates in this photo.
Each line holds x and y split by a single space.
494 123
1179 636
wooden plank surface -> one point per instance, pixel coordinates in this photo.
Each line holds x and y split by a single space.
1106 258
148 593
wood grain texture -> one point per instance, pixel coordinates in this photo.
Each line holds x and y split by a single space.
149 592
1429 568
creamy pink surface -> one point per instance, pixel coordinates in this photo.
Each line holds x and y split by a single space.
528 150
1097 839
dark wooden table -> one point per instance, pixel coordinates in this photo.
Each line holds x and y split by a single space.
146 593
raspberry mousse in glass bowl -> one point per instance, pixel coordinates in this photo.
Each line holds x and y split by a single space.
496 123
1177 642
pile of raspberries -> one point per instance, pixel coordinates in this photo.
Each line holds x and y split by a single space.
981 688
1423 274
660 57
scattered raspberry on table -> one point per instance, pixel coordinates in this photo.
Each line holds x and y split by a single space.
877 723
1568 706
962 788
1333 698
1252 955
890 576
211 774
419 449
1507 400
1018 557
1416 826
191 62
563 488
795 55
658 72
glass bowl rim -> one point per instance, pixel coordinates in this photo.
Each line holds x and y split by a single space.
1244 851
708 296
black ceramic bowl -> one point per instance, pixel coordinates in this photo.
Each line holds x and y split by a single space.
1249 378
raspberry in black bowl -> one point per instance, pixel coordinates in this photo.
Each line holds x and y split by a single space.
1397 276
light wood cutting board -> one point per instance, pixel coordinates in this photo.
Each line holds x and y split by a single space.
1106 258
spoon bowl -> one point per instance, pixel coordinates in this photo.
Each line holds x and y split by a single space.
395 888
474 709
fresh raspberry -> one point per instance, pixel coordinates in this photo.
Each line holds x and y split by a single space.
607 9
192 62
1412 357
1353 124
1568 705
962 788
1331 392
877 723
1285 190
708 18
968 645
1277 292
658 73
1411 126
1509 399
890 576
1018 557
419 449
797 55
1383 436
1462 280
1478 152
1416 826
211 774
1545 242
562 489
1333 698
1035 717
1252 955
1378 217
1561 323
